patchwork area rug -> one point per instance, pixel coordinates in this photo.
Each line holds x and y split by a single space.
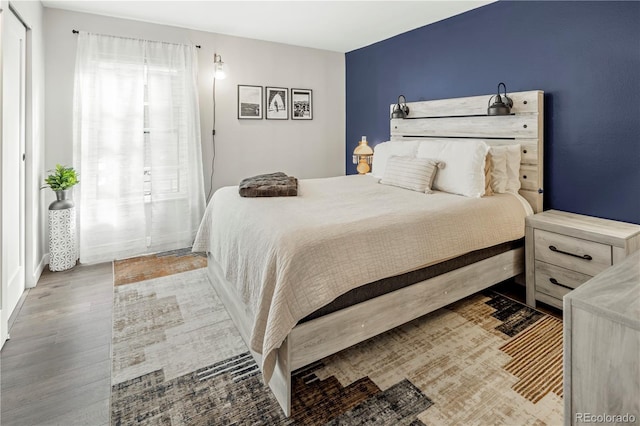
157 265
178 360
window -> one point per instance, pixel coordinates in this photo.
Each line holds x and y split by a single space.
137 146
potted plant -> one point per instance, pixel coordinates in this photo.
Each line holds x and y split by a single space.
63 252
61 180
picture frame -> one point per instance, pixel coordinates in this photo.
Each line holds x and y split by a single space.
277 103
301 104
250 100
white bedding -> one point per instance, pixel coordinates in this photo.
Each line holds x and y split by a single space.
288 256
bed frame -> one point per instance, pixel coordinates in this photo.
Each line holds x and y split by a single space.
460 118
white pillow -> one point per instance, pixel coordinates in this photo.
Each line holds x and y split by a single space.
464 165
513 168
510 154
499 176
411 173
383 151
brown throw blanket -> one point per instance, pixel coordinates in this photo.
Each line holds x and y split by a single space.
269 185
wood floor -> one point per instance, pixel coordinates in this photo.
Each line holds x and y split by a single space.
56 369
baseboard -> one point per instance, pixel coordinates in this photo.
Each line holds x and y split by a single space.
16 310
38 272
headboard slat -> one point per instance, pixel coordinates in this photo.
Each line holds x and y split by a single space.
505 126
523 102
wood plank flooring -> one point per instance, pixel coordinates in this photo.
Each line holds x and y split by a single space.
56 369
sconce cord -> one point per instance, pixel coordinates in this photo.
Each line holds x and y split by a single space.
213 141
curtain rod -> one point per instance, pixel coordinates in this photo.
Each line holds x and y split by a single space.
78 32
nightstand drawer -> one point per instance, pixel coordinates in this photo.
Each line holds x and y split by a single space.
552 301
556 281
586 257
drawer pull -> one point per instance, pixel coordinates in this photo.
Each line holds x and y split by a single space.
554 281
584 256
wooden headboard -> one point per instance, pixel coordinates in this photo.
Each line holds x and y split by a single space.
466 118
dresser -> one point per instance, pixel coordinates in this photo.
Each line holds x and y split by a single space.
564 250
602 347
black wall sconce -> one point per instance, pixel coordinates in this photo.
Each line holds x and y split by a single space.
400 110
502 105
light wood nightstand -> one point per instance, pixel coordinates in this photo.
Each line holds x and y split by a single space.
564 250
602 345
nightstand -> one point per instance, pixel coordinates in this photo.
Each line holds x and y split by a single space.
601 345
564 250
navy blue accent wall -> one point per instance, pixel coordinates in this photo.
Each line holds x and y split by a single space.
585 56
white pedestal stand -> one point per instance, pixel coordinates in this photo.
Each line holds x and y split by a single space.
63 253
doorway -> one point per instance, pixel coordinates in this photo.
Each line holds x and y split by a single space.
12 204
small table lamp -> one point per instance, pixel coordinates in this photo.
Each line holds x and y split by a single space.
362 156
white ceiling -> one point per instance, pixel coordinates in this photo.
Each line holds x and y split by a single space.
339 26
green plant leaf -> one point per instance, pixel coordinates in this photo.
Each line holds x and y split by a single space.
62 178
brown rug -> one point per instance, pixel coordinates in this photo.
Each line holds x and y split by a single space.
178 360
157 265
537 359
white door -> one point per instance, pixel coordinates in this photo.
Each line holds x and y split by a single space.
13 169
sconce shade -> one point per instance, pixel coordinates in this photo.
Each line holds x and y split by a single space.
363 149
400 110
218 67
501 105
363 156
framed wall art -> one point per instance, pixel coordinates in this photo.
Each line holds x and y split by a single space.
277 103
249 102
301 104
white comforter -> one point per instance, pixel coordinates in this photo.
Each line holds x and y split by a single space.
288 256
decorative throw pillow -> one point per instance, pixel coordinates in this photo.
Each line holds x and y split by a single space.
488 169
506 165
499 170
385 150
412 173
513 168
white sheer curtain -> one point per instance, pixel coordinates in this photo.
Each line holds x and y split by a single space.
137 147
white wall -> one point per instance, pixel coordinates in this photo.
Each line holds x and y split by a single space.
31 13
305 149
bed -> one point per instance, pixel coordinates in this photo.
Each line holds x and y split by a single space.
287 268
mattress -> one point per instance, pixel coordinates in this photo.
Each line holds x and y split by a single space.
287 257
387 285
